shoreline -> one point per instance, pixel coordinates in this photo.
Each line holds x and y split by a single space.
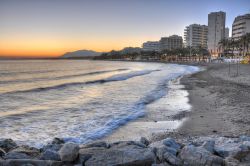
213 132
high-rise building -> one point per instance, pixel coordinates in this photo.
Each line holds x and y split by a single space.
226 33
195 35
151 46
216 31
171 42
241 26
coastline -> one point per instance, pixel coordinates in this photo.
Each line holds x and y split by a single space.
211 133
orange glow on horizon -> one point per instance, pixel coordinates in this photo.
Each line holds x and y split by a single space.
50 47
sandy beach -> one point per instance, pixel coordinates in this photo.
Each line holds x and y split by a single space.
220 103
219 106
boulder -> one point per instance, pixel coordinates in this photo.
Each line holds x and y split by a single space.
50 155
30 151
229 149
244 138
160 149
52 147
87 153
161 164
28 162
195 156
7 144
16 155
96 144
170 142
58 141
172 159
2 152
69 152
230 161
124 143
144 141
121 155
209 145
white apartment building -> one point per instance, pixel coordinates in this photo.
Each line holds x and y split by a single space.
171 42
151 46
195 35
241 26
216 31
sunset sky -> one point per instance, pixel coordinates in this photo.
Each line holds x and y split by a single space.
53 27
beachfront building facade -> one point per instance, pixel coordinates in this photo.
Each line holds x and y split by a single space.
216 31
151 46
241 26
171 42
195 35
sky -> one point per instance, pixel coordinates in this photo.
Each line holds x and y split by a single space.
53 27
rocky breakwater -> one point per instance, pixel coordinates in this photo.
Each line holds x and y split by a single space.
195 151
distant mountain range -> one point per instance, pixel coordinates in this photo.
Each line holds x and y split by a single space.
81 54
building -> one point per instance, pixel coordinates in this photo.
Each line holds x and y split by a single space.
195 35
171 42
241 26
216 31
129 50
226 33
151 46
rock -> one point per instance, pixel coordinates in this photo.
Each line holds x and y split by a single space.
209 145
58 141
7 144
244 153
244 138
16 155
87 153
172 159
228 149
50 155
28 162
30 151
121 155
194 156
144 141
123 143
96 144
170 142
161 164
230 161
2 152
159 149
52 147
69 152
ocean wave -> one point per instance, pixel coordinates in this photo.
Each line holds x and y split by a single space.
59 77
135 112
118 77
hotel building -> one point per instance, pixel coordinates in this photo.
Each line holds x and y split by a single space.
216 31
195 35
151 46
171 42
241 26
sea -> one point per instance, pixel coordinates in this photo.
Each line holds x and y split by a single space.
81 100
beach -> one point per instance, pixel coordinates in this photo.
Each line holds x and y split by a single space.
219 106
208 124
220 103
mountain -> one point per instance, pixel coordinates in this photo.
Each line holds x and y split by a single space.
81 54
